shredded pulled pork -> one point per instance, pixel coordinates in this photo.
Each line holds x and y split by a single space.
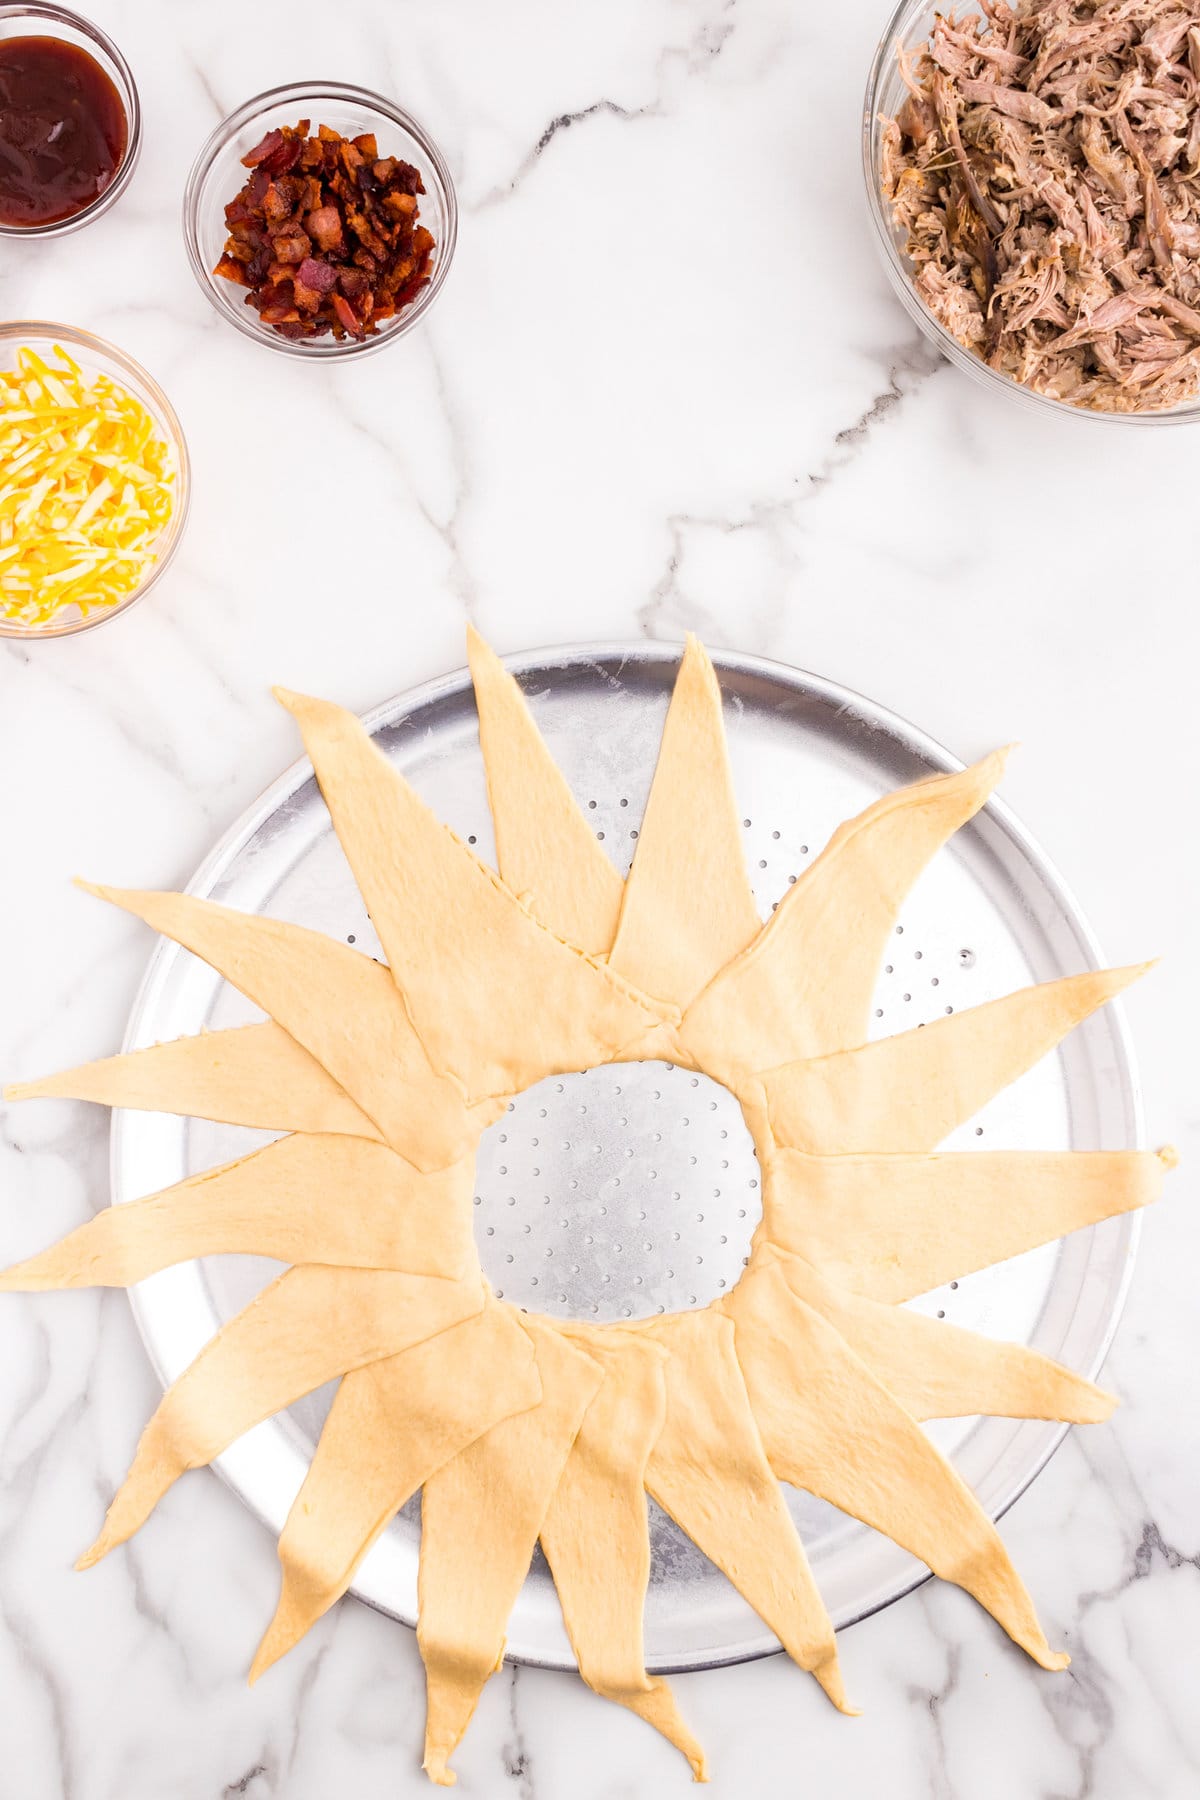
1045 169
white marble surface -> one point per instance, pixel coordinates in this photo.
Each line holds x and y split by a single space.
666 387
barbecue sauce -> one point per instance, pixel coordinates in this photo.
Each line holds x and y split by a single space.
63 130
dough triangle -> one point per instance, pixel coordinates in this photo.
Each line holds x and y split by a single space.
688 904
910 1091
336 1200
893 1226
480 1517
392 1425
597 1525
255 1075
710 1472
545 849
804 986
830 1427
498 1000
306 1327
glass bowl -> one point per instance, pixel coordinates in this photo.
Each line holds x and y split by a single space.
908 27
57 22
95 357
217 174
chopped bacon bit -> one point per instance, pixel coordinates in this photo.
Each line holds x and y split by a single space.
324 233
231 270
263 150
324 227
348 316
293 248
316 274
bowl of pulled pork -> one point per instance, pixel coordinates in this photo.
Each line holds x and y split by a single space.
320 220
1033 168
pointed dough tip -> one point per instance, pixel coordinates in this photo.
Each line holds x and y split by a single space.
1118 979
696 658
481 658
435 1766
1124 976
267 1654
1104 1405
302 706
93 887
92 1556
829 1674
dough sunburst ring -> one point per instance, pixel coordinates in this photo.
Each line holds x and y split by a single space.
519 1428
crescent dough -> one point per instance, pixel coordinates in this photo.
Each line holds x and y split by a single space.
596 1524
804 986
275 1203
688 907
480 1517
545 849
253 1075
519 1428
392 1425
498 1000
307 1326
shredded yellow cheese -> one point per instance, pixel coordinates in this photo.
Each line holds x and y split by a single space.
86 489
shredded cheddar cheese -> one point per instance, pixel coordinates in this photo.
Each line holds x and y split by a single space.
86 489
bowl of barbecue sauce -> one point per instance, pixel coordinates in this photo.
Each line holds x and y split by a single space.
70 122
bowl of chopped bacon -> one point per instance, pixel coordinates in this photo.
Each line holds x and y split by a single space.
1033 172
320 220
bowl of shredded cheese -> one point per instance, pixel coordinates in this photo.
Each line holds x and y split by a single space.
93 480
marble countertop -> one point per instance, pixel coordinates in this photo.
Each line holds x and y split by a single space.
666 387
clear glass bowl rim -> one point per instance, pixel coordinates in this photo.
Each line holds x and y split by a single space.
62 15
24 331
302 93
895 32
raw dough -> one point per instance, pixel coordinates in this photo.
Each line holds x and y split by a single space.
498 1000
597 1525
249 1075
709 1470
480 1517
895 1226
804 986
340 1005
276 1202
939 1371
309 1325
806 1371
688 906
391 1426
908 1092
829 1426
546 851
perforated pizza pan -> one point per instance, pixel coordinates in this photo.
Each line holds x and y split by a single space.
632 1189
